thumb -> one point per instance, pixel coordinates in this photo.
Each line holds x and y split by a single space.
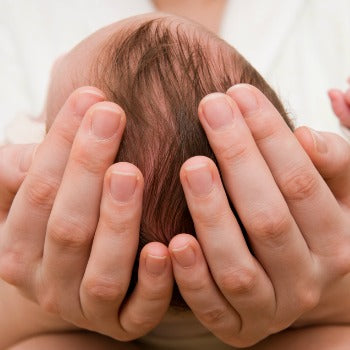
330 154
15 161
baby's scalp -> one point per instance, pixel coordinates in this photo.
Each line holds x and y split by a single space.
158 69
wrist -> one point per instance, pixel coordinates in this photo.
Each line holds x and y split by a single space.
21 318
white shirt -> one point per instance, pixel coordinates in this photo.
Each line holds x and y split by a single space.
302 48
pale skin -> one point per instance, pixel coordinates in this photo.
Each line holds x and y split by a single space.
341 104
230 302
209 13
333 165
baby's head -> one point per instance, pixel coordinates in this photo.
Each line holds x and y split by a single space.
157 68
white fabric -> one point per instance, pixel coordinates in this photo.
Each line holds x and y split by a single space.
33 33
301 47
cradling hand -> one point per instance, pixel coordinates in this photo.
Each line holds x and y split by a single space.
69 236
297 222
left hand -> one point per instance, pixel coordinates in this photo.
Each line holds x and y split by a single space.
297 228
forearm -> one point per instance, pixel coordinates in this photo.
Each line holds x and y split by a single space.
21 318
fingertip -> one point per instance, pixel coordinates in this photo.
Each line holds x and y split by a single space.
156 259
156 249
217 112
123 186
311 140
246 96
91 90
335 94
197 163
127 169
181 240
241 86
83 98
303 135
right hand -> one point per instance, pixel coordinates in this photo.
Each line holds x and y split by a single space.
69 237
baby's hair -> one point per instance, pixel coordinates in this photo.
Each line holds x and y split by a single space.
158 72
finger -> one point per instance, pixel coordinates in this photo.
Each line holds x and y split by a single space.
341 105
15 161
199 290
108 272
330 154
240 278
304 190
26 225
347 97
273 234
75 213
150 300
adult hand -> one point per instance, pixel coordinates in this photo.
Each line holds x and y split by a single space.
15 161
298 230
70 238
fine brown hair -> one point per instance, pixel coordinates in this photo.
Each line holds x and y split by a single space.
158 72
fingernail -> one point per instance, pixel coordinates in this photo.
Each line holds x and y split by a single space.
319 141
199 178
27 158
244 97
86 98
217 111
184 256
105 121
155 265
123 185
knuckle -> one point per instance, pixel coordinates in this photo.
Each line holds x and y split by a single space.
299 185
214 316
48 302
42 191
342 264
88 159
238 282
69 232
194 286
103 289
155 293
308 298
270 224
211 219
119 223
142 322
12 268
263 127
233 152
